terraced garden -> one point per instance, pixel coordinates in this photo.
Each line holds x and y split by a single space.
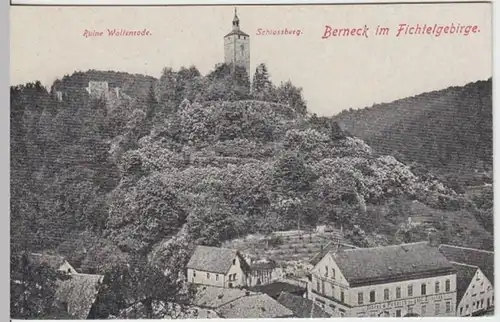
288 247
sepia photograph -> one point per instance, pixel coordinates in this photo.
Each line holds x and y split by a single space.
251 161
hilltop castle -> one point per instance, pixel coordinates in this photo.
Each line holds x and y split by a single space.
237 46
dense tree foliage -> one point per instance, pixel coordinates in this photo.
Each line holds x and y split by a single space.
189 159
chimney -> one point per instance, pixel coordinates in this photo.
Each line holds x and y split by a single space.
433 239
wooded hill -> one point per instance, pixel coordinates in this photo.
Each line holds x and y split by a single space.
190 159
448 131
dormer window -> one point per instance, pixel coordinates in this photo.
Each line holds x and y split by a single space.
326 271
234 261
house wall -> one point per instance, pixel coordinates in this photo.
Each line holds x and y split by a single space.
327 292
266 276
240 279
440 303
205 278
217 279
477 296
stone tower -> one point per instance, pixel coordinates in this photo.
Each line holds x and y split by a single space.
237 46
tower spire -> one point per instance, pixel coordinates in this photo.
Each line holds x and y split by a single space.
236 20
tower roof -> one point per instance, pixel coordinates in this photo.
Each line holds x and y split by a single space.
236 26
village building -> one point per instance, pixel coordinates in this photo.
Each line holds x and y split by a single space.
237 46
263 272
276 288
301 307
401 280
78 294
239 303
475 279
56 262
222 267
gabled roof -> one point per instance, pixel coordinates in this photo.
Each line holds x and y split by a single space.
465 274
214 259
274 289
256 306
363 266
79 292
331 246
483 259
214 297
53 261
301 307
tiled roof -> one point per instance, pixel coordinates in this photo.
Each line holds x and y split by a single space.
301 307
465 273
332 246
483 259
213 297
274 289
79 292
379 264
53 261
213 259
256 306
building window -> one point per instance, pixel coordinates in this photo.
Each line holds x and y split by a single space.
234 261
398 292
398 313
482 303
326 271
436 308
448 307
410 290
208 275
216 277
386 294
447 286
317 285
323 287
372 296
333 273
234 277
360 298
423 289
461 310
423 310
194 273
342 299
436 288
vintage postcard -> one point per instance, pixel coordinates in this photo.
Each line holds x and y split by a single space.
251 161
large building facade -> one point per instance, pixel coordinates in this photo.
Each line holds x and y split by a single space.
475 279
392 281
237 46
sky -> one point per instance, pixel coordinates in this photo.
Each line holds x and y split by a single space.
335 73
